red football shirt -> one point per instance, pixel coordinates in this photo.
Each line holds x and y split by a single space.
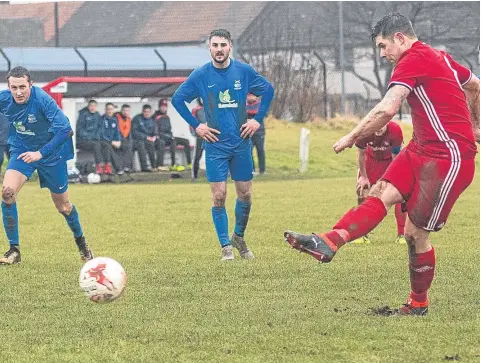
441 119
380 147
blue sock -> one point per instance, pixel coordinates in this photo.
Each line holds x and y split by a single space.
10 223
219 216
242 210
73 222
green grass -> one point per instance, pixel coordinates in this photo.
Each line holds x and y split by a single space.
183 305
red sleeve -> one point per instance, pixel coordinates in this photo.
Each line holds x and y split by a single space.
462 73
396 134
408 71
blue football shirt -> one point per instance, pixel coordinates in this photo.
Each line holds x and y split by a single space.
34 123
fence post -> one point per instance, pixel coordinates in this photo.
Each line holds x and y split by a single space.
304 150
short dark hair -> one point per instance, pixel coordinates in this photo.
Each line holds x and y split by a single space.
109 104
125 106
92 101
146 107
19 72
393 23
222 33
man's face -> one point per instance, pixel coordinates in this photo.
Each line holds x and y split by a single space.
147 113
163 109
219 49
126 112
92 107
109 110
251 98
20 88
391 49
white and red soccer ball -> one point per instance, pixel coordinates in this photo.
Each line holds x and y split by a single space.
102 279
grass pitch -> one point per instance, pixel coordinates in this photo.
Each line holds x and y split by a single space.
183 305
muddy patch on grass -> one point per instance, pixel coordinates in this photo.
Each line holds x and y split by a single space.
382 311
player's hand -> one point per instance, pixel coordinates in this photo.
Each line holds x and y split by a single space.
249 128
116 144
151 138
343 143
362 183
207 133
30 156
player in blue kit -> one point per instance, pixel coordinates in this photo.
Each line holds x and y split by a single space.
223 85
40 138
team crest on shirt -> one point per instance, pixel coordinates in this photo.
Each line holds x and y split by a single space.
31 119
225 101
237 85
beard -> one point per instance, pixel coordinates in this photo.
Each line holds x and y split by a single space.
224 58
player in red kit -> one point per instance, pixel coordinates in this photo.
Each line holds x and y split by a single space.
429 174
375 154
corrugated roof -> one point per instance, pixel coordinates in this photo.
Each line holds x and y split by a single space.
44 59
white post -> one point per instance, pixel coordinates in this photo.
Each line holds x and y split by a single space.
304 150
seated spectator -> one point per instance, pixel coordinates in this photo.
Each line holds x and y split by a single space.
4 126
164 130
88 130
199 113
126 145
110 139
258 139
146 140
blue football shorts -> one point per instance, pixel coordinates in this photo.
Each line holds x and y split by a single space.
218 163
53 177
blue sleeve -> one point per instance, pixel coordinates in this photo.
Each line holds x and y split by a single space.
187 92
59 125
260 86
3 100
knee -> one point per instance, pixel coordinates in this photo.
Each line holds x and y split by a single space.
64 208
8 195
377 189
218 198
244 195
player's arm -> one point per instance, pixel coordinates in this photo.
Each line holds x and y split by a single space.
363 180
260 87
187 92
377 118
59 127
471 89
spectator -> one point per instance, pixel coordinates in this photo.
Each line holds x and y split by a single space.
145 139
199 113
164 129
258 139
110 140
88 131
4 126
126 144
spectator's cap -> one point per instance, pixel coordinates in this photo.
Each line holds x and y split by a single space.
163 102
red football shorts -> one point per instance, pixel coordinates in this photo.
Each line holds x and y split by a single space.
430 186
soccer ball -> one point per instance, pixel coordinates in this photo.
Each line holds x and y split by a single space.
93 178
102 279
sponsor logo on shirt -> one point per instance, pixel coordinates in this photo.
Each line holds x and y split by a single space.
20 128
31 119
225 100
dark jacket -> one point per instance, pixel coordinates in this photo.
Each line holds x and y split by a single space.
110 129
164 128
89 125
142 127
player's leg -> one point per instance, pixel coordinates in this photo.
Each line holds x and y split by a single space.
55 178
186 144
398 181
421 267
261 153
216 172
17 173
401 223
140 147
159 148
107 152
362 194
241 170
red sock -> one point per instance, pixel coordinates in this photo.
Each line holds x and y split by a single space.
421 267
357 222
400 219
